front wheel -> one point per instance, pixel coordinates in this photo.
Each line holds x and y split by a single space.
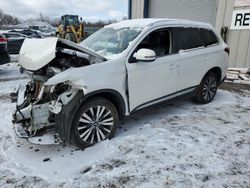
207 89
96 120
71 37
58 35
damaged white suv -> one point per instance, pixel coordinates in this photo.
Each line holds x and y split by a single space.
81 91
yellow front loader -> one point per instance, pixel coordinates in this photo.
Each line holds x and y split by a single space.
71 28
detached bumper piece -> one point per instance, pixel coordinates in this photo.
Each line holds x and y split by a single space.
20 131
48 138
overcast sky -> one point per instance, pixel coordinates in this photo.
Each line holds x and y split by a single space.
91 10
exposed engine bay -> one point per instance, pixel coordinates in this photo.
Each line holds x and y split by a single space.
37 103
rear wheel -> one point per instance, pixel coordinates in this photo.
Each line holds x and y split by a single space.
207 89
70 36
96 120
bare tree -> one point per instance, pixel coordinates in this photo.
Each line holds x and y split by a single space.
6 19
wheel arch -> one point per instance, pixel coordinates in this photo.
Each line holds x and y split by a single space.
217 71
64 120
111 95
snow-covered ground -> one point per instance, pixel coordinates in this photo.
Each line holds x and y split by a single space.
177 145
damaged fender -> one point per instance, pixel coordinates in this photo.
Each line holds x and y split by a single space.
62 74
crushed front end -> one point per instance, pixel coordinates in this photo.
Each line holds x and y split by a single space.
39 106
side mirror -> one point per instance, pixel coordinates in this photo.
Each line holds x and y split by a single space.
145 55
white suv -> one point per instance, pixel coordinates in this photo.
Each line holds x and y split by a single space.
82 91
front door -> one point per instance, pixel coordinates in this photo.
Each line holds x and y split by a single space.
152 82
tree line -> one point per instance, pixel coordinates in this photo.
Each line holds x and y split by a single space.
7 19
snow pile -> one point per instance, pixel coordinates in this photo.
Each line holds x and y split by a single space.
177 145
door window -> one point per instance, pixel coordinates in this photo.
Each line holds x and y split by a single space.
190 38
158 41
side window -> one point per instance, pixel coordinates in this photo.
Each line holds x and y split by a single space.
208 37
158 41
191 38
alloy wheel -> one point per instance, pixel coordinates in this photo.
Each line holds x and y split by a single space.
95 124
209 88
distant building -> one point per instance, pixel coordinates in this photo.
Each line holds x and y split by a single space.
226 15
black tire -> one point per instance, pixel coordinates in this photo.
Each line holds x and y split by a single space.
58 35
96 120
70 36
207 89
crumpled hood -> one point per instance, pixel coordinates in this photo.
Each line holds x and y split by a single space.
36 53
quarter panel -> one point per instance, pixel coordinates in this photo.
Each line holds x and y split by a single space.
217 57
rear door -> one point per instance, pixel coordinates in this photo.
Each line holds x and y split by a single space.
192 57
151 82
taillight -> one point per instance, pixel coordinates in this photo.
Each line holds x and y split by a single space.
227 50
3 40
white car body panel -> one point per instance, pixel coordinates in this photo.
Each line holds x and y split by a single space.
192 69
110 75
195 63
148 81
36 53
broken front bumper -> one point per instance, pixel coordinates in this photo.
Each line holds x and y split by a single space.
35 121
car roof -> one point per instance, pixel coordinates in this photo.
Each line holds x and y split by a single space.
146 22
15 30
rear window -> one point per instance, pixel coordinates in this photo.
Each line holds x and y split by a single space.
191 38
208 37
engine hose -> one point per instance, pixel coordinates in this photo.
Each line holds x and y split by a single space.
18 110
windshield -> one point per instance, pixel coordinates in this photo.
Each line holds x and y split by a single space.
110 41
70 20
